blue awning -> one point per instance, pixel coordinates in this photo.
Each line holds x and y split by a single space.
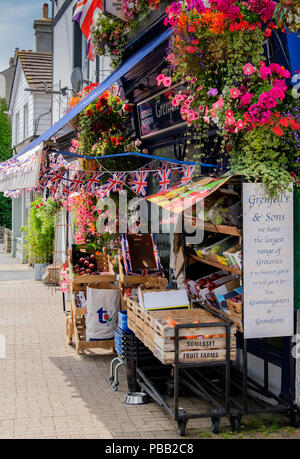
106 84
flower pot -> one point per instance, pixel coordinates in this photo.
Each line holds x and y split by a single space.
39 269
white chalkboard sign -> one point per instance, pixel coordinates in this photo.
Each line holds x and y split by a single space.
114 8
268 263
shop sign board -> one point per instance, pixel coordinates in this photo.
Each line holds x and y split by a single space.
112 7
268 263
157 114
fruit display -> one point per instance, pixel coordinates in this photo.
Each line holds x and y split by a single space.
85 264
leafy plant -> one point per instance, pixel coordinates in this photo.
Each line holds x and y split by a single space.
5 153
40 230
287 14
216 50
111 34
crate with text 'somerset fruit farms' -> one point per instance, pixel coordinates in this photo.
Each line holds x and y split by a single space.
88 266
156 329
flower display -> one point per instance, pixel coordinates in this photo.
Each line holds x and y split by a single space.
110 35
216 48
287 14
103 124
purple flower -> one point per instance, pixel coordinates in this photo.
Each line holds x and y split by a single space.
212 92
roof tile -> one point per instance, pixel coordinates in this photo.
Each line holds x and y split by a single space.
37 68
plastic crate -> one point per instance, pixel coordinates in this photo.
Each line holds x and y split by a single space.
122 321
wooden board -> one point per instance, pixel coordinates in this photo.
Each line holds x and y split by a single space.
195 356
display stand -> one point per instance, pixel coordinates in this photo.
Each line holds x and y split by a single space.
75 324
235 394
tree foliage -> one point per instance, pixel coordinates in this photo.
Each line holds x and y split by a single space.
5 153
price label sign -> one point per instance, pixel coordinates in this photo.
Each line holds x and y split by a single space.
268 254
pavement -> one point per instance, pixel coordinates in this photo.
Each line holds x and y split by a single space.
11 270
47 391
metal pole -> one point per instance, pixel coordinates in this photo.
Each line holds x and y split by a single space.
245 375
266 363
176 374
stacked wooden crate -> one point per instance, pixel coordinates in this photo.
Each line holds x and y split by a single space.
75 326
156 329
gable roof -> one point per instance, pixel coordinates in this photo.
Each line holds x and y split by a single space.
37 68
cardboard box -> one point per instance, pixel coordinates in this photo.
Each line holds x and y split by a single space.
224 289
234 257
224 297
163 299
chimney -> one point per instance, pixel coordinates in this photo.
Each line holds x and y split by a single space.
45 11
43 32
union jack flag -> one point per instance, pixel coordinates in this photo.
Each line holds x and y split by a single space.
85 14
114 183
77 182
56 176
30 162
163 165
74 165
57 162
164 179
127 260
92 181
7 166
138 182
187 173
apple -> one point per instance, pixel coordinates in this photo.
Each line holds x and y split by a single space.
81 260
92 258
86 263
88 271
92 266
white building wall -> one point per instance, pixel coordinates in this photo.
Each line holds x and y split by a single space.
19 99
42 113
63 61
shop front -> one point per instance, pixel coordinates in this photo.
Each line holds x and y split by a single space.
179 250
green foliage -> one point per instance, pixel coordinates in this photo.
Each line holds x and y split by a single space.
40 230
5 153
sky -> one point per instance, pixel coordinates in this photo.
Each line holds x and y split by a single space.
16 26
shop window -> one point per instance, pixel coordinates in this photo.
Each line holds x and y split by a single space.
80 57
77 45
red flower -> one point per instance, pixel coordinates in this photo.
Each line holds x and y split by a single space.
114 141
284 122
268 32
127 108
190 49
89 112
277 130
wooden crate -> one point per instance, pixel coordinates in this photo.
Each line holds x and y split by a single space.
75 326
104 264
195 344
129 281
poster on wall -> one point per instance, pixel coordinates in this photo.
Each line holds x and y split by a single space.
268 263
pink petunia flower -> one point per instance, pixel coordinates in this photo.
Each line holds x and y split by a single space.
160 79
249 69
235 93
240 124
167 82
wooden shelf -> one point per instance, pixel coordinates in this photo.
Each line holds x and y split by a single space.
223 229
217 265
